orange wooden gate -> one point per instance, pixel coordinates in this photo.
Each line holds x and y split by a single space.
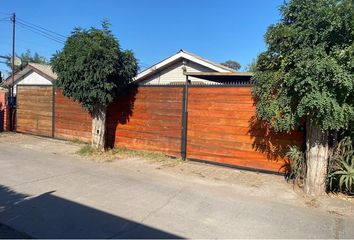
222 128
34 110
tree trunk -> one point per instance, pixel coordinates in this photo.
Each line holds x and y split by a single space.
99 127
317 153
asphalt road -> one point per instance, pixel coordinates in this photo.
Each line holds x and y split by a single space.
51 194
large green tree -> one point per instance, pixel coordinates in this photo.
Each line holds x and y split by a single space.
92 69
307 75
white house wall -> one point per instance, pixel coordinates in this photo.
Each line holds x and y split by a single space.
174 73
32 78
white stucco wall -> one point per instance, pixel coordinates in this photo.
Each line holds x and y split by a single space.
174 73
32 78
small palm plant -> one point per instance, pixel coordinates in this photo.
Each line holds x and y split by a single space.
341 167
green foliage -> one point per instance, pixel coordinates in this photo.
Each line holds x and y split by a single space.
341 167
92 68
296 169
232 64
26 58
308 67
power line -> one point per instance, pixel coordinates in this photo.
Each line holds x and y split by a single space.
42 28
49 34
46 35
42 31
53 39
3 13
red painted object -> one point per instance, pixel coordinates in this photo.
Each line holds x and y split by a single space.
4 111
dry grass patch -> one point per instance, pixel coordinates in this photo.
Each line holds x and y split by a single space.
124 153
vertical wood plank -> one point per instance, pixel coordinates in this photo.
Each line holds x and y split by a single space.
34 109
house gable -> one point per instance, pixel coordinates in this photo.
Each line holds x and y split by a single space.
174 73
171 69
43 75
32 78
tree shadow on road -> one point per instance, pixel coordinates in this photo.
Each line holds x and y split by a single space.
49 216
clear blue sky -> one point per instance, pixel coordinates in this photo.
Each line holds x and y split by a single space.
154 29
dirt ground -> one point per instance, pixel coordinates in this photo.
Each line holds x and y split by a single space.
253 183
49 190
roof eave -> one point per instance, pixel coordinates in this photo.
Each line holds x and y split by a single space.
170 60
24 71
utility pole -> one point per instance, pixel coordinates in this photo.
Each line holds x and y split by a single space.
11 102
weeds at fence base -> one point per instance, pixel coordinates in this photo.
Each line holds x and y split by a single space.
86 150
123 153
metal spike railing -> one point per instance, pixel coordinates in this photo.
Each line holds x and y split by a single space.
237 83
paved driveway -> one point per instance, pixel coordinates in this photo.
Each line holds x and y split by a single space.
47 192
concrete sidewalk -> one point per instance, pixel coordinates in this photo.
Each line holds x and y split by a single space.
48 192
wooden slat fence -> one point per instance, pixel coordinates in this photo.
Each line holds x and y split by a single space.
34 113
71 120
221 124
147 119
222 128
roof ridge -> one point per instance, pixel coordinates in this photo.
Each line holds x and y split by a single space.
182 54
207 60
44 64
39 68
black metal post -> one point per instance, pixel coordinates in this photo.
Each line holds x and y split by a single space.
184 121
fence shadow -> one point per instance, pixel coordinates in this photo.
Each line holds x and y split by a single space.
265 140
273 144
119 112
49 216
